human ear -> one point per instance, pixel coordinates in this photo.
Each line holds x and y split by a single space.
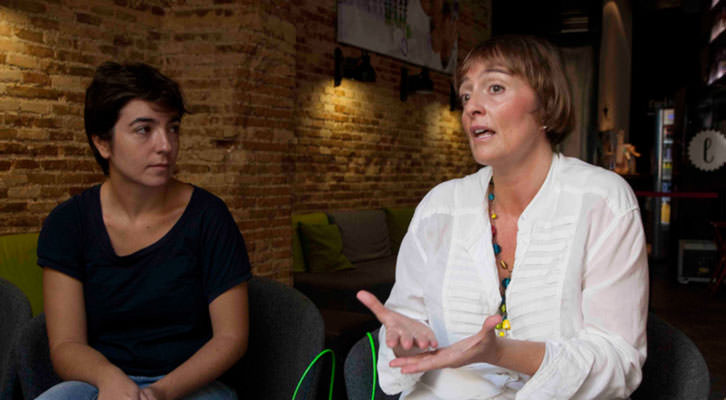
103 146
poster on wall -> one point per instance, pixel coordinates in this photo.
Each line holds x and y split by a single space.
421 32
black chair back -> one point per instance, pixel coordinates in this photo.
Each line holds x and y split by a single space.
674 369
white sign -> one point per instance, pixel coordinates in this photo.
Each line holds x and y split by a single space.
707 150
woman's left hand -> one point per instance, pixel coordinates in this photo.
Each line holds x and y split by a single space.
482 347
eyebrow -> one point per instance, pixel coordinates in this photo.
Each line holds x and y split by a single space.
501 70
152 120
142 119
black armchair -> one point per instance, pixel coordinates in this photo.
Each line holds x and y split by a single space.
674 369
286 333
14 313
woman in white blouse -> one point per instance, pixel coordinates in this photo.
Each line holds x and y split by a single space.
527 279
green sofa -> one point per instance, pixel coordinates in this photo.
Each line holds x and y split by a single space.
18 264
358 249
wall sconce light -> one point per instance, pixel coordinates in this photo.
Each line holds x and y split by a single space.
359 68
420 83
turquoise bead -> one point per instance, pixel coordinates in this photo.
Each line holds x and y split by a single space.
491 196
505 282
497 248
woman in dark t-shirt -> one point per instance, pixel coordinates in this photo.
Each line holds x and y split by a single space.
144 276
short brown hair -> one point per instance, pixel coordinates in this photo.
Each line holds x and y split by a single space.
114 85
538 62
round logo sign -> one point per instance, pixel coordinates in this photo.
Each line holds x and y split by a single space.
707 150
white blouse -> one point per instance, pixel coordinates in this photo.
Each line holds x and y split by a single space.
579 284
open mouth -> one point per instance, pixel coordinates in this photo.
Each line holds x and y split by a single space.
481 133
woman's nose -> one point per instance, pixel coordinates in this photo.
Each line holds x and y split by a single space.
163 140
474 106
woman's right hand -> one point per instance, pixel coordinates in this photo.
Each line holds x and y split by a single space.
115 385
406 336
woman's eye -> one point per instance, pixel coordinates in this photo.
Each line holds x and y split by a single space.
464 98
174 129
496 88
143 130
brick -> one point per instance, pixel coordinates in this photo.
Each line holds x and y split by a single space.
41 179
39 51
32 92
13 207
36 150
29 35
26 164
36 78
53 192
45 23
5 30
24 192
81 71
65 109
9 75
12 148
21 60
41 208
89 19
32 134
77 150
29 6
34 107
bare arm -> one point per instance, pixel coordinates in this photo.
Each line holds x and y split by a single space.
230 331
72 357
485 346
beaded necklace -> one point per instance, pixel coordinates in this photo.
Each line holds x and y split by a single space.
503 327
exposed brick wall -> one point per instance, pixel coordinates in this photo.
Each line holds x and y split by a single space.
268 132
236 64
48 52
358 145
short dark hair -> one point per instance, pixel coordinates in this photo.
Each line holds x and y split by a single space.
539 63
113 86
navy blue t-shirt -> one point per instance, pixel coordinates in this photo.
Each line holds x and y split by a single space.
147 312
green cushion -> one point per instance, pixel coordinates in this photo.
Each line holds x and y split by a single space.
323 248
19 265
398 219
298 259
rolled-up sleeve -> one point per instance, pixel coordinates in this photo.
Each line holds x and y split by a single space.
604 359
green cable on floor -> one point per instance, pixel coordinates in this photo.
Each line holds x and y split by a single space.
332 370
373 354
332 373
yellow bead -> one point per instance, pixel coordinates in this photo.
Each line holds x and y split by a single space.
494 216
499 326
501 333
505 325
503 308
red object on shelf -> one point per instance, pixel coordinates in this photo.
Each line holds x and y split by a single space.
689 195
